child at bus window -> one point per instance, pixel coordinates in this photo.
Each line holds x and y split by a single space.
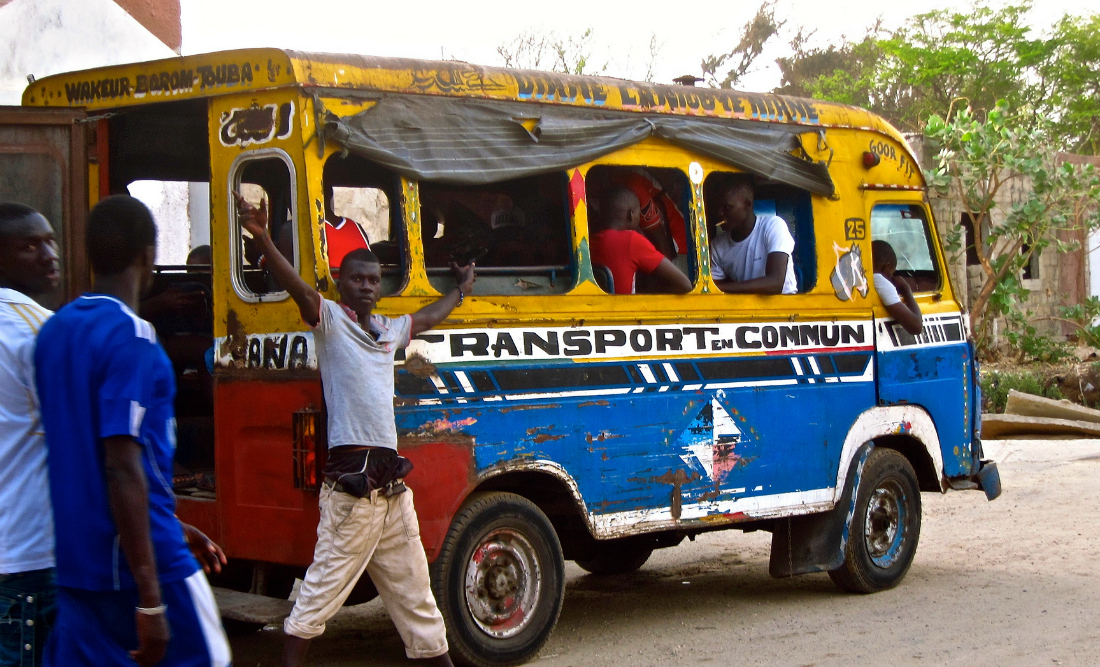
621 247
894 290
753 253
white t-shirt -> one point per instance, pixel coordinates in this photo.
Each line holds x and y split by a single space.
357 374
26 518
886 290
748 259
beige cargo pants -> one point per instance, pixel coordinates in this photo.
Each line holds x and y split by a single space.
380 535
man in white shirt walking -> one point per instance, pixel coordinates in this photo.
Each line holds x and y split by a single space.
750 254
28 266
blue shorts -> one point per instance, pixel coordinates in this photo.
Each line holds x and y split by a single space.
97 628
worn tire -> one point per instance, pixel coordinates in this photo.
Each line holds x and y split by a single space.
498 611
616 557
885 526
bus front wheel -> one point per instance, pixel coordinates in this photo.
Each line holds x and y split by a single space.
499 580
885 525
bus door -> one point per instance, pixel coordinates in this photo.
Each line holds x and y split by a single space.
931 370
43 164
266 379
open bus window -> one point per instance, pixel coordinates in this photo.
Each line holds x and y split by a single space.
791 204
264 176
517 231
664 196
180 306
905 228
362 211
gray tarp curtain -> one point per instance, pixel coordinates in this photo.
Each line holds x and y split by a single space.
473 142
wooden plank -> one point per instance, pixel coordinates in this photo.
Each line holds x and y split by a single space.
999 426
1031 405
251 608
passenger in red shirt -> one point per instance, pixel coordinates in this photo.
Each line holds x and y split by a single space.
624 250
342 235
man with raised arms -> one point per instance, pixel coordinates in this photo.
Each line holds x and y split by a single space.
368 522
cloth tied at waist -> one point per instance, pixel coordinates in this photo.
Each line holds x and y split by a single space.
360 470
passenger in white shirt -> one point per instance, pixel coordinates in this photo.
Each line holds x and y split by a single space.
750 254
894 290
28 265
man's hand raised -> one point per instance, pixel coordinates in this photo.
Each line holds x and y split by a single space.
253 219
464 276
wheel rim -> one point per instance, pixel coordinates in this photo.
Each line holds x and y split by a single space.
502 583
884 525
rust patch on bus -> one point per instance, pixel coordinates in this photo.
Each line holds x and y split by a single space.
419 366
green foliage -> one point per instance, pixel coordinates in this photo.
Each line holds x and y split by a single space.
1032 346
534 49
980 54
1073 71
1084 316
760 29
977 162
996 385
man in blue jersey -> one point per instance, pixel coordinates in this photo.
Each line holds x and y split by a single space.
129 587
28 266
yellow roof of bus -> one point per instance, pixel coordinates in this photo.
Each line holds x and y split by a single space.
228 72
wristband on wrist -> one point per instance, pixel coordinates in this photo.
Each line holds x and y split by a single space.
461 297
152 611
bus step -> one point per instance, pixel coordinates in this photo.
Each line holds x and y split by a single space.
251 608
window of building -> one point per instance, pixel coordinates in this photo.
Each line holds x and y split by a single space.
517 232
362 210
793 205
968 238
905 227
265 175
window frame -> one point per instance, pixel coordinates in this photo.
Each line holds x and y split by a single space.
236 232
571 268
691 224
930 235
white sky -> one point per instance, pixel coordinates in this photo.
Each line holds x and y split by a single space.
471 30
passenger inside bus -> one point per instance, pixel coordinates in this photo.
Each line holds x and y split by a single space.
358 196
342 235
619 245
894 290
749 253
662 194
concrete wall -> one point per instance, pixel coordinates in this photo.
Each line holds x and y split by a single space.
43 37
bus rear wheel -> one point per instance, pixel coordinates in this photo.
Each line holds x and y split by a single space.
499 580
885 525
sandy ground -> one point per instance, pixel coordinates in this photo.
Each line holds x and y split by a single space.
1012 582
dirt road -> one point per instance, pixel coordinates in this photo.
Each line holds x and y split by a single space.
1012 582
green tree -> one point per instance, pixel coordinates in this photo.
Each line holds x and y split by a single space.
1073 73
755 34
549 51
977 162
